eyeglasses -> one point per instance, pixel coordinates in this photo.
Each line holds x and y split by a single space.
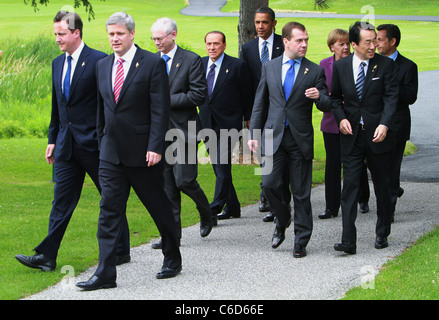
160 39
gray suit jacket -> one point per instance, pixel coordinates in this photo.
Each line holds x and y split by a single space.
188 89
270 108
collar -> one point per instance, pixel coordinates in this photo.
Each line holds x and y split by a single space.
128 56
171 53
270 40
394 55
77 53
217 62
285 59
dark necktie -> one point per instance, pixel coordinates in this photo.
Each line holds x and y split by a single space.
118 81
360 80
166 58
264 53
210 79
67 77
289 83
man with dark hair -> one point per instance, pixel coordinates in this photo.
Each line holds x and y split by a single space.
364 98
287 91
72 130
388 38
266 46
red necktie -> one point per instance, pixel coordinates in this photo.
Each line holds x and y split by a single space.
118 81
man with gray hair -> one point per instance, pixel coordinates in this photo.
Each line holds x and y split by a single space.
132 120
188 89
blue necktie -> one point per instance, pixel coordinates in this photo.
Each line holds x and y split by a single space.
210 79
360 80
166 58
67 77
289 83
264 53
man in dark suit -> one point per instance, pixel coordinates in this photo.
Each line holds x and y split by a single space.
289 87
72 130
388 38
364 99
266 46
133 115
188 88
227 105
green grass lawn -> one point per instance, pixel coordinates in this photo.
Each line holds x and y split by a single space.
25 188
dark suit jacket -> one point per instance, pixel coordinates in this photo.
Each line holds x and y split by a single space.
75 118
139 121
270 108
251 55
230 102
188 89
407 75
380 98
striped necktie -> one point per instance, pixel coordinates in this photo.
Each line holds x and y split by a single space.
118 81
264 53
360 80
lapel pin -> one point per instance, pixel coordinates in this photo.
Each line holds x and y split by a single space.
177 65
306 71
374 67
137 64
227 70
83 64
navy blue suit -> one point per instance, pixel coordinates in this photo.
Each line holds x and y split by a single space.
73 131
226 108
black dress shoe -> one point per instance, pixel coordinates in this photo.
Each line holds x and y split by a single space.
299 251
346 247
206 224
269 217
37 261
166 272
227 215
264 206
381 243
278 237
364 207
328 214
96 283
400 192
123 259
159 244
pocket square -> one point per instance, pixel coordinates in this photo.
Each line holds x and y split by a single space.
375 78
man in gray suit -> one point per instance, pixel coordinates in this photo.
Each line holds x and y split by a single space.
283 110
188 89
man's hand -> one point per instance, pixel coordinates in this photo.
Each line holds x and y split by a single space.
345 127
312 93
152 158
49 154
380 133
253 145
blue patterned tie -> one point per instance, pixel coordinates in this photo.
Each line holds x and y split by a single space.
67 77
166 58
264 53
360 80
289 83
210 79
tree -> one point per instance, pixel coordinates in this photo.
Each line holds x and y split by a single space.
76 4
